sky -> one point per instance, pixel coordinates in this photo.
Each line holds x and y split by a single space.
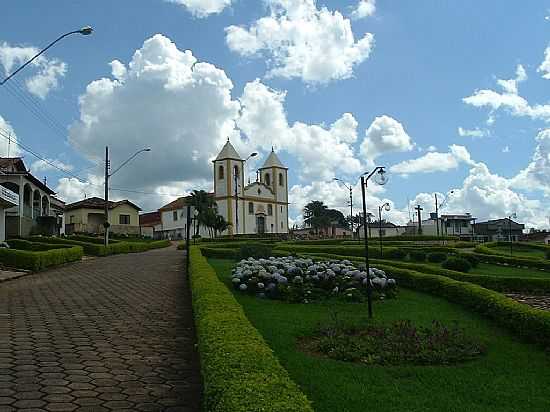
451 97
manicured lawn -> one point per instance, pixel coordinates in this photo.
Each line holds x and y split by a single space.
528 253
513 376
503 271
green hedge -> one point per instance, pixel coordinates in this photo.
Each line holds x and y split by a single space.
239 369
35 261
541 264
221 253
90 239
21 244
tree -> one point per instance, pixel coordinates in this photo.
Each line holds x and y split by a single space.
220 225
316 215
202 202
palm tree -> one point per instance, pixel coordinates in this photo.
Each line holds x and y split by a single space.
220 225
202 202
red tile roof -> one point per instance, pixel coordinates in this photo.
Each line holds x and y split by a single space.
98 203
149 219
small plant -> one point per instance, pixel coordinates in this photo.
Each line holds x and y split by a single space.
457 263
417 255
255 250
437 257
394 253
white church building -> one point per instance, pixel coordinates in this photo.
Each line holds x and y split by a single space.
260 207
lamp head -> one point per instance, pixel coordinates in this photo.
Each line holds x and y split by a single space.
253 154
86 30
195 212
387 207
513 215
381 177
147 149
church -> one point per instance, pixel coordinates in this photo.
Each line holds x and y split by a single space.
260 207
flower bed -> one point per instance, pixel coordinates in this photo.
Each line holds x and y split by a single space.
302 280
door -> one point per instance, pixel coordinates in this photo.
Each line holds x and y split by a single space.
260 224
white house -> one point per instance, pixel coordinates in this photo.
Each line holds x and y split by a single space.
256 208
173 218
375 230
449 225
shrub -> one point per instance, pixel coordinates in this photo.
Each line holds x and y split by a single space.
255 250
221 253
456 263
436 257
547 255
394 253
474 261
417 255
35 261
239 369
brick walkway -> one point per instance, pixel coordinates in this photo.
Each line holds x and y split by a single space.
112 333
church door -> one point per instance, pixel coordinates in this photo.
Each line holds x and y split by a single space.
260 224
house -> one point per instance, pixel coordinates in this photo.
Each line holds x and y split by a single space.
547 240
374 229
150 225
460 225
255 208
28 202
88 216
173 217
499 230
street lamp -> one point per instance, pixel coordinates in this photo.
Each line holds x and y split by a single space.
512 216
107 176
350 188
440 207
380 178
386 206
235 177
195 218
87 30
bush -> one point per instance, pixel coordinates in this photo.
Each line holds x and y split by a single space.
541 264
548 254
394 253
436 257
417 255
35 261
255 250
221 253
239 369
474 261
457 263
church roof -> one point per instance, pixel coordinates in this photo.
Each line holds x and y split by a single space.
228 152
273 161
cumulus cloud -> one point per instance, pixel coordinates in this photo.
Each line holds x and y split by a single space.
384 135
203 8
477 132
544 67
365 8
8 139
302 41
43 166
509 99
434 162
46 74
536 176
321 151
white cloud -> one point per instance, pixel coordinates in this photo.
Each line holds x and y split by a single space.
506 149
300 40
434 162
321 151
431 148
509 99
203 8
8 139
365 8
544 67
384 135
477 132
47 73
536 176
43 166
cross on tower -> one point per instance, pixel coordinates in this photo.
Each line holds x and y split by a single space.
418 210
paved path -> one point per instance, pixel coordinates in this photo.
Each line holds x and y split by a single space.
112 333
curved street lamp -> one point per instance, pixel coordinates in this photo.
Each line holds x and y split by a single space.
387 207
85 31
512 216
380 178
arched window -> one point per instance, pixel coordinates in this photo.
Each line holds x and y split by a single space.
270 210
236 170
281 183
220 172
267 179
250 208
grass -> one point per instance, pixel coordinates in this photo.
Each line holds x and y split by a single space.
513 376
502 271
524 252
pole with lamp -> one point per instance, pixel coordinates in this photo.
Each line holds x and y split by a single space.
380 178
108 175
512 216
350 188
440 207
87 30
386 206
236 183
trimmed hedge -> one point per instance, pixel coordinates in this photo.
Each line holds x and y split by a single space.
456 263
436 257
21 244
541 264
239 369
35 261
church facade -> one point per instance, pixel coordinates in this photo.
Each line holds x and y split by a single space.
260 207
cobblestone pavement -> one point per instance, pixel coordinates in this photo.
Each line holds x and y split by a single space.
536 301
112 333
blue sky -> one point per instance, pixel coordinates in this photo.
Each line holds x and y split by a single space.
426 57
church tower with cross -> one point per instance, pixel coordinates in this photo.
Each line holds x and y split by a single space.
260 207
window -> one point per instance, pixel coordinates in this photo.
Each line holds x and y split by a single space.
281 225
71 219
270 210
281 209
281 183
220 172
124 219
175 215
250 208
236 170
267 179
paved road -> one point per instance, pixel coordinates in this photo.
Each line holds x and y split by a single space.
112 333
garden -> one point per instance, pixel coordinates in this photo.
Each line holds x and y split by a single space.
442 338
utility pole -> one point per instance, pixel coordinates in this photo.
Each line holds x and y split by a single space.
436 215
106 223
418 210
351 211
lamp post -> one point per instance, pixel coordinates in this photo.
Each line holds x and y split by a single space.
380 179
386 206
195 218
350 188
236 177
107 176
87 30
441 207
512 216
